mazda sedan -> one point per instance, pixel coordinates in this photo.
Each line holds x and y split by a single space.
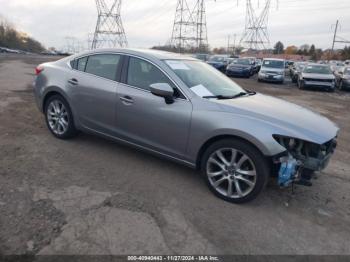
184 110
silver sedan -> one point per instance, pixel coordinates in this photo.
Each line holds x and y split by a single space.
182 109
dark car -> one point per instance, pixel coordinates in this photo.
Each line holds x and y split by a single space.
240 67
203 57
318 76
220 62
343 78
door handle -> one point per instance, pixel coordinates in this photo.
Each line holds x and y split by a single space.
73 81
126 99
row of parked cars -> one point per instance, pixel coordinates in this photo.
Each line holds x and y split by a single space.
323 75
235 66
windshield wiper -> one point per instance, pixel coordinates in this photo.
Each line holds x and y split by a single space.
227 97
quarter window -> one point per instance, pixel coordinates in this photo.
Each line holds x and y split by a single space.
103 65
142 74
81 64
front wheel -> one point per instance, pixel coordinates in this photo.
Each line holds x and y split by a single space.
300 84
234 170
59 118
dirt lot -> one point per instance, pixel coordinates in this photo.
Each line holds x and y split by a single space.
92 196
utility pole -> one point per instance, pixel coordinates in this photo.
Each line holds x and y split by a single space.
228 44
335 35
109 30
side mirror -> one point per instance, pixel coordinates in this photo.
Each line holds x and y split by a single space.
163 90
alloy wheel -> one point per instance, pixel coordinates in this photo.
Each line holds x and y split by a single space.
57 117
231 173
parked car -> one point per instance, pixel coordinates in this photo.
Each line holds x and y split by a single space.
272 70
335 67
317 75
203 57
343 78
240 67
253 62
220 62
182 109
295 70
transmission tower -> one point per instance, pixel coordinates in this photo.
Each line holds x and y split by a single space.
255 35
190 27
109 30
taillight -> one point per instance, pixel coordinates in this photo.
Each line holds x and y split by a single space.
38 70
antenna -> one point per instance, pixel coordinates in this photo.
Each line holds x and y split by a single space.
255 35
109 30
190 27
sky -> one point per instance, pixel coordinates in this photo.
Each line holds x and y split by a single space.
149 22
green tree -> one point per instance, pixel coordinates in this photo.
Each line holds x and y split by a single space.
278 48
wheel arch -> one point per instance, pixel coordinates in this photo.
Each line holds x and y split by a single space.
214 139
51 91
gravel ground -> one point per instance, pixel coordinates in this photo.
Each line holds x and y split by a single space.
92 196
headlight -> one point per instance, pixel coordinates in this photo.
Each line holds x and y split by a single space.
289 143
263 71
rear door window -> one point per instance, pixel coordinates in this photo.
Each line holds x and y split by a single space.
104 65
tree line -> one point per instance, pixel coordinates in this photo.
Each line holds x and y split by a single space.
312 51
13 39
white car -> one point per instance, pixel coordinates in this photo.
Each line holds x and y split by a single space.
272 70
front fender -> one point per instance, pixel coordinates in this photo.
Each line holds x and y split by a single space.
207 125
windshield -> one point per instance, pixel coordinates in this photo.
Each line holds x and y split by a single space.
273 63
217 59
317 69
203 79
242 62
301 66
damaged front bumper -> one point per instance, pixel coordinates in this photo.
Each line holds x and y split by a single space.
299 156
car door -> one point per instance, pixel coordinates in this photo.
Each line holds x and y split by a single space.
94 86
146 119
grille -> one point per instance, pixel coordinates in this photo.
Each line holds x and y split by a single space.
319 80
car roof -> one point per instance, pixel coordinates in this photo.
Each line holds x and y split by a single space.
147 53
274 59
315 64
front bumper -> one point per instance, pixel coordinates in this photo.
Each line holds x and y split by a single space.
271 77
318 84
237 72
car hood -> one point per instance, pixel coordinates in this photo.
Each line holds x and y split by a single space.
215 63
288 118
318 76
275 70
240 66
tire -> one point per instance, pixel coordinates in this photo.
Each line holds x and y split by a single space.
219 176
259 80
57 107
300 85
341 85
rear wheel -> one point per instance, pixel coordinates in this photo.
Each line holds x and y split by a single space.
234 170
59 118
